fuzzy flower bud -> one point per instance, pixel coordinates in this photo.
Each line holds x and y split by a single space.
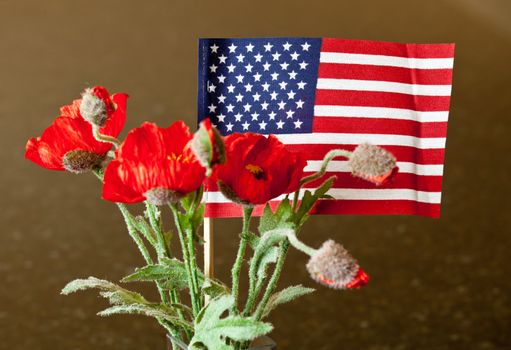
80 161
208 145
96 106
162 196
373 163
334 267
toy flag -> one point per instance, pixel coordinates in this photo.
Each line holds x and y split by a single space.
320 94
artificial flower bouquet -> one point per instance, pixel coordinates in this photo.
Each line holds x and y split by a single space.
167 169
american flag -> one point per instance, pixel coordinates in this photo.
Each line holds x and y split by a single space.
319 94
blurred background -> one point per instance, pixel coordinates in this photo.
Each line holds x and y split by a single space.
436 283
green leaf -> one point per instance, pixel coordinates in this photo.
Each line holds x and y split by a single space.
268 258
214 288
282 218
252 238
309 199
284 296
114 293
211 330
171 271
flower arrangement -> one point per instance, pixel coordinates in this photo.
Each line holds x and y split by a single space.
167 168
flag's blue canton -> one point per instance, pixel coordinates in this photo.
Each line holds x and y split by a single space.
264 85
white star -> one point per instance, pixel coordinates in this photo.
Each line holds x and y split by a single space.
280 124
303 65
221 117
221 78
257 76
286 46
273 95
212 108
247 107
299 103
272 115
305 47
301 85
265 86
255 115
281 104
258 57
214 48
274 76
222 58
230 108
290 114
240 57
239 97
284 65
238 116
249 47
291 95
266 66
248 87
230 68
232 48
283 85
245 125
249 67
292 75
276 56
298 123
294 56
239 77
256 96
213 68
262 125
264 106
268 47
221 98
229 126
211 87
230 88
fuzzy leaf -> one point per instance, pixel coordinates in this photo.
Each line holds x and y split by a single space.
284 296
268 258
252 238
280 219
171 271
214 288
309 199
114 293
211 330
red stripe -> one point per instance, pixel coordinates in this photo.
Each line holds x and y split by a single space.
402 153
347 207
384 73
382 99
354 125
388 48
346 180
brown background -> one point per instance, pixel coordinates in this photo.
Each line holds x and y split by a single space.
436 284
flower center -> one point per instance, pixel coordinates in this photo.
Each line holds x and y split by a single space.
179 158
255 170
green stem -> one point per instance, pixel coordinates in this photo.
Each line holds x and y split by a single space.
186 258
247 213
162 247
272 284
133 233
326 159
104 138
295 242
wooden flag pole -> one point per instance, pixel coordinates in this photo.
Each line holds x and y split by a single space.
209 250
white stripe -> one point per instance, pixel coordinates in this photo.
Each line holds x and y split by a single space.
355 139
404 167
384 86
357 194
380 112
391 61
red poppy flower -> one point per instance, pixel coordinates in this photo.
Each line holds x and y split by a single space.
153 163
68 143
258 169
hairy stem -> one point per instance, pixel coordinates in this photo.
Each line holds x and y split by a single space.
104 138
236 268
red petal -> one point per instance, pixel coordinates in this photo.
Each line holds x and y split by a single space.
116 122
117 186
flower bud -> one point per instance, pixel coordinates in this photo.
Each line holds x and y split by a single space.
208 146
334 267
230 194
96 106
161 196
373 163
80 161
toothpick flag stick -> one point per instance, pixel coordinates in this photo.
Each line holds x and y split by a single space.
209 248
